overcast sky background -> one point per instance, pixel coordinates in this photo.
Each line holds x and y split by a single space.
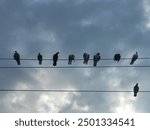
74 26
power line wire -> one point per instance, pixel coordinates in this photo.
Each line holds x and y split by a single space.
71 67
71 91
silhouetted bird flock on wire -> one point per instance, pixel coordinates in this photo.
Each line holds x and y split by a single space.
71 58
86 57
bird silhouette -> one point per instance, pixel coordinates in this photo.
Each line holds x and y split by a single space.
71 58
136 90
17 57
134 58
96 58
117 57
40 57
86 57
55 59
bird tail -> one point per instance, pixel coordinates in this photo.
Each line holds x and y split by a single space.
135 94
95 63
54 64
69 62
40 62
131 62
18 62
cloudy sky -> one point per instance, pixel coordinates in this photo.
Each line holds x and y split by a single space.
74 27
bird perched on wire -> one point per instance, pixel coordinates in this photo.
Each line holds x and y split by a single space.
17 57
117 57
40 57
86 57
96 58
55 59
134 58
71 58
136 90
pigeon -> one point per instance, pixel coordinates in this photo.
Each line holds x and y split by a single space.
134 58
117 57
136 90
71 58
39 57
96 58
86 57
17 57
55 59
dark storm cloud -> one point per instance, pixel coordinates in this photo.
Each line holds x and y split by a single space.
88 25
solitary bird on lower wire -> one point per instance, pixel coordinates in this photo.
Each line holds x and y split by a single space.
117 57
40 57
136 90
96 58
134 58
55 59
17 57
